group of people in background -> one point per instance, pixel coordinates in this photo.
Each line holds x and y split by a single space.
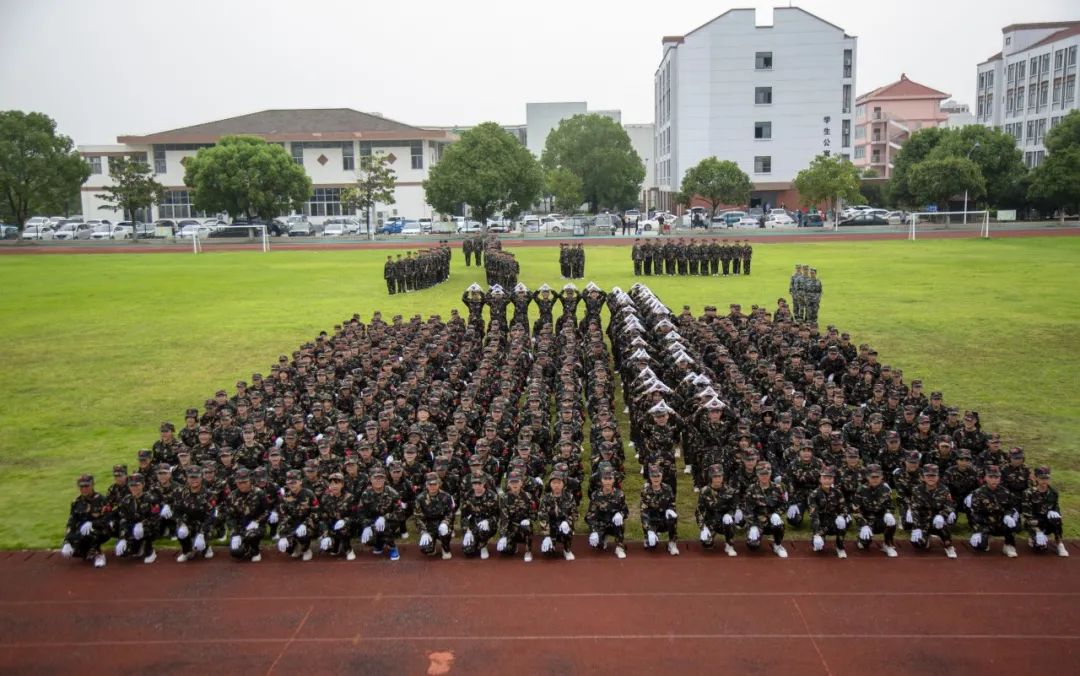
418 270
805 289
693 257
571 260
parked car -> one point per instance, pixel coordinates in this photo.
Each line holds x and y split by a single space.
897 217
499 224
757 213
190 228
466 225
340 227
632 216
442 227
166 223
606 224
863 219
779 219
653 224
391 227
9 231
813 220
145 230
38 232
69 231
37 222
234 230
727 219
747 221
300 226
118 231
411 228
425 224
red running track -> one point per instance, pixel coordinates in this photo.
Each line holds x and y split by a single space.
699 613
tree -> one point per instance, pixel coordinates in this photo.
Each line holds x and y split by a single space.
870 172
374 185
915 150
718 181
995 153
597 150
246 176
936 181
133 188
828 179
39 169
488 170
565 188
1056 182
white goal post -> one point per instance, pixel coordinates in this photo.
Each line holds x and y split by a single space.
264 239
949 220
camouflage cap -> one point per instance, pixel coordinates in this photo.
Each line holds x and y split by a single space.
993 471
1042 472
874 470
716 471
828 472
930 470
85 480
292 475
242 474
912 456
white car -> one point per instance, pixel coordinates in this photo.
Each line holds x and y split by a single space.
425 224
653 224
746 221
411 229
334 229
779 220
632 216
37 222
190 228
897 218
37 232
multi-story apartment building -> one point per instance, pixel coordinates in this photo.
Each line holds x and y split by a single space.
887 116
331 145
1027 87
769 97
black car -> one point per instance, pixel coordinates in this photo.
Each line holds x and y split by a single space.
235 230
865 219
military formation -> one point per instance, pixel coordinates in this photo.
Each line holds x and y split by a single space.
571 260
501 268
475 247
417 270
805 290
691 256
504 441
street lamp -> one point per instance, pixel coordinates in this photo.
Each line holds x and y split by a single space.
977 144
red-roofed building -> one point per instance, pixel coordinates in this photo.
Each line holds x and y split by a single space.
888 115
1030 85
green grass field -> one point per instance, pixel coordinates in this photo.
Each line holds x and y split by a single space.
103 348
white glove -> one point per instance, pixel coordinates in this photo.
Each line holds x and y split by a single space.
121 547
671 514
339 524
1009 521
67 550
819 543
182 532
365 536
325 543
252 526
727 520
546 545
501 544
652 538
273 518
137 531
775 520
976 539
380 524
235 542
525 523
484 526
166 512
738 516
617 519
594 539
468 539
564 528
865 533
444 530
916 535
705 533
86 528
1040 538
282 545
279 442
939 521
425 539
951 518
909 517
793 512
200 542
889 519
539 481
301 531
1053 515
967 501
841 522
754 534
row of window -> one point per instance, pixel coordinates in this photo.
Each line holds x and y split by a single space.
1040 95
177 204
763 132
296 149
764 61
99 165
323 202
1034 158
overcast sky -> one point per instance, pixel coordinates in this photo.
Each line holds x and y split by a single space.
103 68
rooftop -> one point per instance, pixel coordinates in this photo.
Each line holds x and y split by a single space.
903 88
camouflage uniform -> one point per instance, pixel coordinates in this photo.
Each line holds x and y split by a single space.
602 509
431 513
657 507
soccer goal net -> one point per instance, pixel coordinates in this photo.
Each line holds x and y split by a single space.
255 232
975 222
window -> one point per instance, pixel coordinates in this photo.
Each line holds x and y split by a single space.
1033 96
324 202
1044 64
1039 154
1071 59
1010 72
982 80
875 157
1030 136
1040 130
847 62
1008 40
763 130
365 154
1057 92
159 160
990 80
860 111
860 152
1020 99
1054 121
1070 89
297 153
348 162
1033 66
177 204
762 95
1044 94
860 132
1059 59
846 107
763 164
763 61
1020 70
845 133
417 154
95 164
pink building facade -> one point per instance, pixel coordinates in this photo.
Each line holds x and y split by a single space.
886 117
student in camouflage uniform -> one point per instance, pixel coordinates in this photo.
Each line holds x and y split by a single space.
195 518
517 511
556 516
828 514
1042 514
763 503
298 509
812 295
379 514
336 518
872 509
933 512
658 513
137 521
747 255
637 256
244 513
434 514
995 511
390 275
467 249
87 526
607 514
479 516
718 511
